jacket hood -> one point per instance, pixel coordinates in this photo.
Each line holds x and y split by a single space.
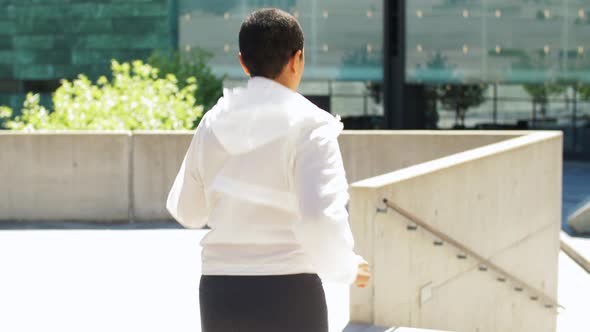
247 118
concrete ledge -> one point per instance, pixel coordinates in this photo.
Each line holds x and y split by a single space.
370 153
117 176
452 160
81 176
479 133
578 249
579 221
156 159
485 198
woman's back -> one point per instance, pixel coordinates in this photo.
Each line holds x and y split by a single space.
264 170
244 161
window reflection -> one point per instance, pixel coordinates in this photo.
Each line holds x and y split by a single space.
342 37
495 36
542 106
510 64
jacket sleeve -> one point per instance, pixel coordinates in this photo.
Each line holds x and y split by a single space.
322 191
187 201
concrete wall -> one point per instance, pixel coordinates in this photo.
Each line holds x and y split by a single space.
156 160
369 153
503 201
68 176
132 173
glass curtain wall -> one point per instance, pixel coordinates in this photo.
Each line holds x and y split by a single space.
504 64
343 45
500 64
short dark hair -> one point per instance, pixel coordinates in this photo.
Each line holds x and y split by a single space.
268 38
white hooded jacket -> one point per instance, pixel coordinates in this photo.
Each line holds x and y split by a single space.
264 171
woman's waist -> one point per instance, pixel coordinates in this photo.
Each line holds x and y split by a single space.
254 259
251 237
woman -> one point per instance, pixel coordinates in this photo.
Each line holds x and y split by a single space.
264 171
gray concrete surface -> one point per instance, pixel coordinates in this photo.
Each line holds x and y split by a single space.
156 160
117 176
466 198
502 201
66 176
368 153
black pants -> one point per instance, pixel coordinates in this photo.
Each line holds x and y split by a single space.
285 303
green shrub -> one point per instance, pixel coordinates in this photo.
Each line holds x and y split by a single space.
191 64
136 98
5 113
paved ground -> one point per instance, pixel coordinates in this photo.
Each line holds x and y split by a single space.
109 280
147 280
574 287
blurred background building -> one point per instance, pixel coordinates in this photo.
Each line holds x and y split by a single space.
420 64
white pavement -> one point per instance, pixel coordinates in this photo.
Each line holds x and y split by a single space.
574 295
107 280
147 280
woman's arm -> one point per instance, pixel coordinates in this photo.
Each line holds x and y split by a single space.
322 191
186 200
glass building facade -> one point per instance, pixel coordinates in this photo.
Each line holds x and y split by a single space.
497 64
343 38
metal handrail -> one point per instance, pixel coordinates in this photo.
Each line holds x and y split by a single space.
520 284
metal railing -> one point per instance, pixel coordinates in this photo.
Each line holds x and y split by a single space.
484 263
